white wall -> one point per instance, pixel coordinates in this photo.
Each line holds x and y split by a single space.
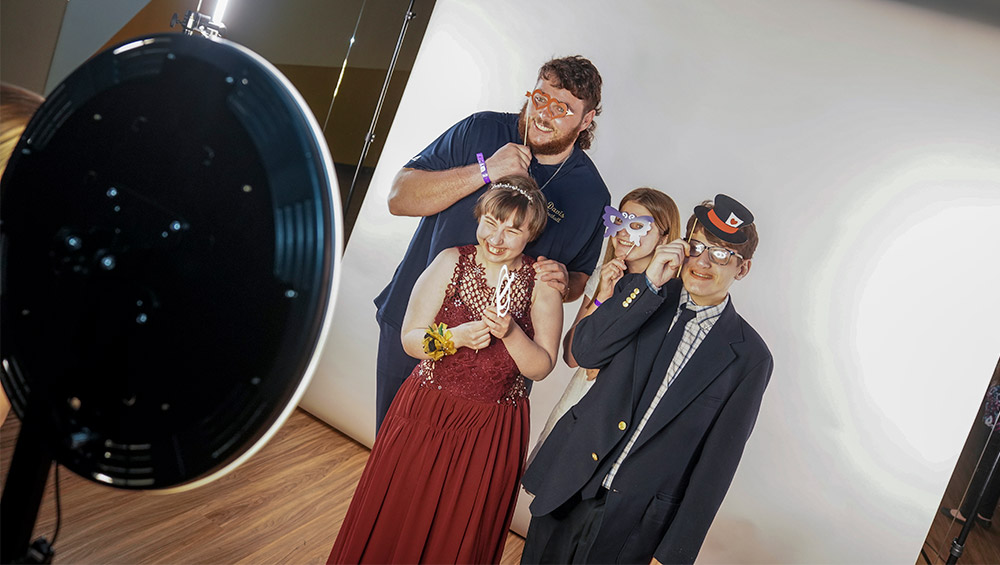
86 27
865 137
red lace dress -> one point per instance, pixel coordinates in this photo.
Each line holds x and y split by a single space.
442 477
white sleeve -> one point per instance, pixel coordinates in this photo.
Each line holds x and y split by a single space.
592 282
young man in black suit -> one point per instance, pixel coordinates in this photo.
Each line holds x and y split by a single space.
636 471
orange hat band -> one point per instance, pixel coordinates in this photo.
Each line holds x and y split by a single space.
719 223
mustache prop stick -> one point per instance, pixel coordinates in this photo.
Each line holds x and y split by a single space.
693 226
502 297
628 252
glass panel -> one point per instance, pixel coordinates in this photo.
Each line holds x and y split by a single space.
317 44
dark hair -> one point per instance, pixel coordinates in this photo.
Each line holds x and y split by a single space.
518 197
745 249
579 76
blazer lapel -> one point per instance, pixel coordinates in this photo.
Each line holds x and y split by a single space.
712 357
648 345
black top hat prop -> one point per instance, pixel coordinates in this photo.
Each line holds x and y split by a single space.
725 219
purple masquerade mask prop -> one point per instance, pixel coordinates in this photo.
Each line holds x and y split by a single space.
636 226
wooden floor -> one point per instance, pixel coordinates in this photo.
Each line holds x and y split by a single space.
982 546
284 505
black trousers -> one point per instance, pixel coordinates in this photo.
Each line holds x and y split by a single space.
392 366
567 534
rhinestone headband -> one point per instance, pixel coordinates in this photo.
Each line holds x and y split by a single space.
517 189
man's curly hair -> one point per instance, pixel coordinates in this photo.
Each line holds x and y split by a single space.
579 76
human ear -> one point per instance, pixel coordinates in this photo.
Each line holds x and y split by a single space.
587 118
744 269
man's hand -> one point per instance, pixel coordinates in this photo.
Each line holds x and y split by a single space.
474 335
554 273
511 159
416 192
667 258
499 326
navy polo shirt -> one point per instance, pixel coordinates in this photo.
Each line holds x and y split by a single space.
576 199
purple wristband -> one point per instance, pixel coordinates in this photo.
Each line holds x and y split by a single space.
482 168
597 302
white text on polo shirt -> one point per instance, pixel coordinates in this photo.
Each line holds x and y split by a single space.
555 213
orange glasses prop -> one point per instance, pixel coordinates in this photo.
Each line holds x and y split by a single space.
542 101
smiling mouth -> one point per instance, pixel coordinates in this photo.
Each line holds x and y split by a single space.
494 250
698 275
541 127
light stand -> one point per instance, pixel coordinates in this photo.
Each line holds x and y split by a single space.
370 136
195 21
29 470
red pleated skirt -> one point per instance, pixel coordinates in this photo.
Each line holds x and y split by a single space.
440 483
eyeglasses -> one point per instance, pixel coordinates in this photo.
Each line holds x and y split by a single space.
542 101
718 255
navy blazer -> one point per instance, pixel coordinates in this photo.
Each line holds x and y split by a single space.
668 490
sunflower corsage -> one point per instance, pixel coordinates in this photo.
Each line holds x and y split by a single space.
437 341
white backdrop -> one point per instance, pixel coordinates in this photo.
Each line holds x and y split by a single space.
864 136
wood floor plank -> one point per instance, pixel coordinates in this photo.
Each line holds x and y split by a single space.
283 506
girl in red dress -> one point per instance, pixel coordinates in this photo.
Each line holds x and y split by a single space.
442 477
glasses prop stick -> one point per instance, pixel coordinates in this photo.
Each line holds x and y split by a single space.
690 235
502 298
525 142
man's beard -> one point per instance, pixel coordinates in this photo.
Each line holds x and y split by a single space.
554 146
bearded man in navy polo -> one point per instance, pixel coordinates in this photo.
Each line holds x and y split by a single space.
442 183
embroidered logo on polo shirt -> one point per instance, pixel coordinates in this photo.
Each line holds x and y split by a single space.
556 214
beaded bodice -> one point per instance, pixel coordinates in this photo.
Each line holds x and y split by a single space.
489 375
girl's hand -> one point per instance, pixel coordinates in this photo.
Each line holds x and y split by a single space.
474 335
610 273
498 326
592 374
